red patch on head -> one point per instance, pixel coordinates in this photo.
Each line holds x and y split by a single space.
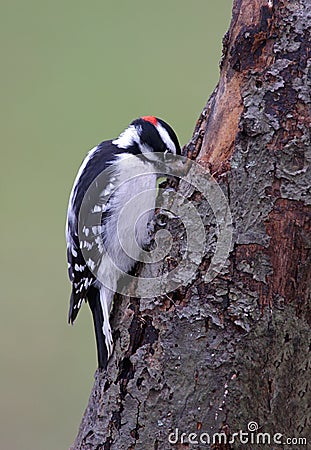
151 119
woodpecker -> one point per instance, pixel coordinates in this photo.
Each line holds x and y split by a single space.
139 145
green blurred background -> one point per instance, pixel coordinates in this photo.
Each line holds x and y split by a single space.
74 73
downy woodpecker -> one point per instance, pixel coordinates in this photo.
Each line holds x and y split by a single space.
141 140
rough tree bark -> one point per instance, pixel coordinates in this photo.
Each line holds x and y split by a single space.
212 357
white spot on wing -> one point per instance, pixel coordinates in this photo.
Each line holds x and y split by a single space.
86 244
96 209
87 282
86 231
79 303
108 189
96 230
90 264
79 289
79 267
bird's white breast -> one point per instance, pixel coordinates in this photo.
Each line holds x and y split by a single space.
132 208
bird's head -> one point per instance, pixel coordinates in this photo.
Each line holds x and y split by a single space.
148 135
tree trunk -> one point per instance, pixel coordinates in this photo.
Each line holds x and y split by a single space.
233 353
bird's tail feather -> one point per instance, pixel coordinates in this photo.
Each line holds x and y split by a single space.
98 319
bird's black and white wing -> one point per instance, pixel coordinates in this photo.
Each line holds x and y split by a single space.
81 277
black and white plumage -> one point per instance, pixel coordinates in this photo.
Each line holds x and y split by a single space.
134 147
